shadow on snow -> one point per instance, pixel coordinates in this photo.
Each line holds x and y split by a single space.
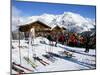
91 66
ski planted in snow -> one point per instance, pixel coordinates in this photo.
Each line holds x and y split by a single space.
17 69
41 61
22 66
29 61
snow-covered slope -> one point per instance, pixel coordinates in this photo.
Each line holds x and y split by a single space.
79 61
71 21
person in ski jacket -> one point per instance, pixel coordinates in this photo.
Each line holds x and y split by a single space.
75 42
87 40
72 40
56 40
62 38
49 37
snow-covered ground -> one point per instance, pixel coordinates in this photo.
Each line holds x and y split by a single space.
79 61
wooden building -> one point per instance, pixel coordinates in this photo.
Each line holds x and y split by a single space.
56 29
64 29
39 27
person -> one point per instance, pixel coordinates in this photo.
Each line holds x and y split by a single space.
72 40
87 40
56 40
62 39
75 42
49 37
66 38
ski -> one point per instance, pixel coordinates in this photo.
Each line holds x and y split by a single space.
45 62
29 61
41 61
49 58
22 66
54 54
17 69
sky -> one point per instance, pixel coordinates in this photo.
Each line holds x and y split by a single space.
37 8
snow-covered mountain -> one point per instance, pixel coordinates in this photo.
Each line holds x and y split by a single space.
71 21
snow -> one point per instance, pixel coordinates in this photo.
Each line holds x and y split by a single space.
79 61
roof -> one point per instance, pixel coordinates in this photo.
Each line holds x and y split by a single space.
27 27
64 28
56 27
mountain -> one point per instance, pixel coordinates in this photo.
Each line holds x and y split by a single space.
71 21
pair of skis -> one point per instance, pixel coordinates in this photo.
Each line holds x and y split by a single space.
17 69
41 61
49 57
21 66
54 54
20 69
30 62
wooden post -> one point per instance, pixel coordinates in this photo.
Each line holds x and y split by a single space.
19 48
32 40
28 43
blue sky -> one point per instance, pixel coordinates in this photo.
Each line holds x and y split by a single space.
36 8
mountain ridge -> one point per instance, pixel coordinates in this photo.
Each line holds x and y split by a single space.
71 21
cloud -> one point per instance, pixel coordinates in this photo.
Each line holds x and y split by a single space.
16 11
16 17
